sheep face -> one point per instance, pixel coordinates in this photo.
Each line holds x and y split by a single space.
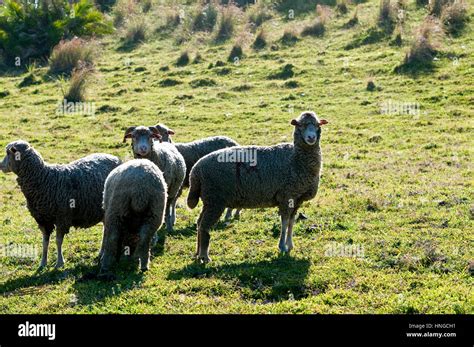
15 152
165 132
308 128
142 140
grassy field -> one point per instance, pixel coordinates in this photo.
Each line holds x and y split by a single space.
396 191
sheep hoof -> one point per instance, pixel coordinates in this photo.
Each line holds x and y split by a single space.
59 265
203 259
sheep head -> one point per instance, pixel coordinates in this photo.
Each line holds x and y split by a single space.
307 128
142 140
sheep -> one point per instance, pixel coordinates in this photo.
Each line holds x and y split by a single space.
59 196
134 202
195 150
166 157
284 176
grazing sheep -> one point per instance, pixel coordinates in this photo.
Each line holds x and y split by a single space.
134 204
283 176
166 157
195 150
60 196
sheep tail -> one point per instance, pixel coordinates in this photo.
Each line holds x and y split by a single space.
194 191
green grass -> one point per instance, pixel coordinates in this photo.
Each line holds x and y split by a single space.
398 186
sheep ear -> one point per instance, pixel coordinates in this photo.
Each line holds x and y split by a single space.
13 150
295 122
155 133
322 122
128 133
171 132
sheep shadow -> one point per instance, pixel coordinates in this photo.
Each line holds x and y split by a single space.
40 278
277 279
89 290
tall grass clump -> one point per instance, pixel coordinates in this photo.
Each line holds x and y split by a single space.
436 6
226 25
454 16
205 18
28 31
342 7
68 54
258 14
236 53
387 17
425 45
183 59
76 91
260 41
354 19
318 26
289 37
135 32
123 11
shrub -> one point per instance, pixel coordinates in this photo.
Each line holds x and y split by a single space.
135 32
426 43
318 27
342 6
436 6
354 20
77 85
206 17
124 10
387 17
225 28
67 55
260 41
454 16
28 32
183 59
289 38
236 52
105 5
258 13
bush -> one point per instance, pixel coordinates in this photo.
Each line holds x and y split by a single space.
105 5
28 32
225 29
123 11
318 27
77 85
183 59
426 43
260 41
342 6
454 16
353 21
235 53
135 32
206 17
67 55
387 18
258 13
436 6
289 38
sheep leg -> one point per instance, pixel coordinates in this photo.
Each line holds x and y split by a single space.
46 231
289 236
284 226
228 215
59 244
110 248
142 251
198 243
237 214
173 210
209 216
169 225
